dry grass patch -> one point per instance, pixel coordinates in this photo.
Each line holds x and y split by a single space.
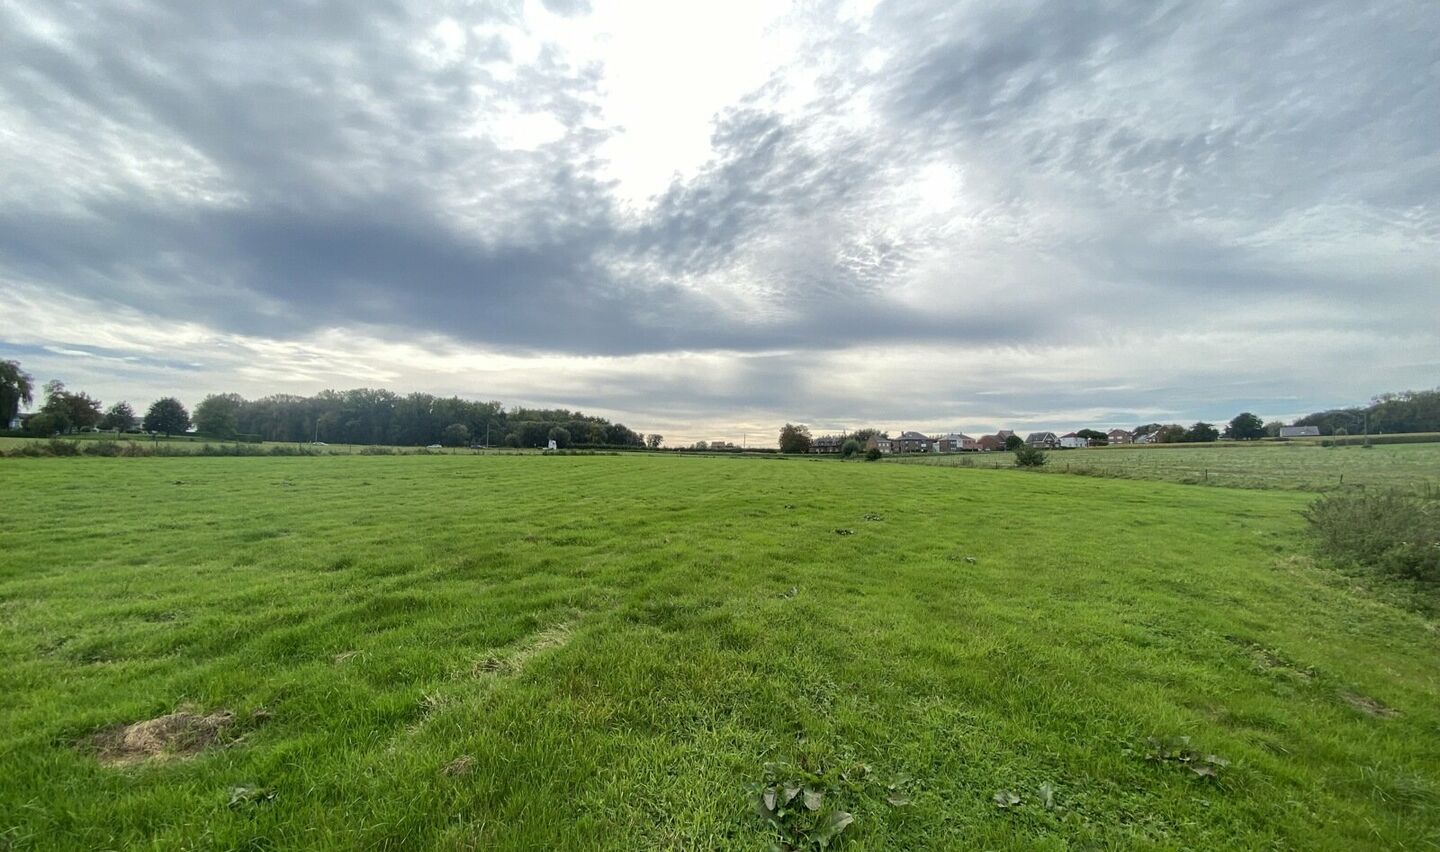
514 660
178 735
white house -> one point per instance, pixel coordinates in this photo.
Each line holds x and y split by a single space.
956 442
1072 441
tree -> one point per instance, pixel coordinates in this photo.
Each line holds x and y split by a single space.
794 439
1245 427
16 389
1014 442
1201 433
512 440
1272 429
42 425
850 448
218 415
120 417
561 436
69 411
864 435
455 435
873 454
1027 456
1173 433
1094 437
653 441
167 416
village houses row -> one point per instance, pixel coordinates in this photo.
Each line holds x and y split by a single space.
956 442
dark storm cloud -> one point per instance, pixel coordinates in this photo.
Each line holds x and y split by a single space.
271 172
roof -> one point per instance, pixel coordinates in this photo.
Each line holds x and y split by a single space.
1039 436
912 436
1299 431
1004 433
1069 435
1113 432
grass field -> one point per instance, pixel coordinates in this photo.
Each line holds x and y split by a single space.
606 652
1294 466
189 444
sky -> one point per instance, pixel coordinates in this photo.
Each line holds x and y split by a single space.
706 220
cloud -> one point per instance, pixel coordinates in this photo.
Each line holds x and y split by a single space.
768 202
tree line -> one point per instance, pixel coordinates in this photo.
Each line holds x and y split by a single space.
1406 411
360 416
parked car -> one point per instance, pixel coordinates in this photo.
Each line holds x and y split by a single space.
318 444
434 447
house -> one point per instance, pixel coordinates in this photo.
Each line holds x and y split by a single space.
956 442
1118 436
1147 438
1047 440
992 443
826 444
913 442
1072 441
1299 431
876 442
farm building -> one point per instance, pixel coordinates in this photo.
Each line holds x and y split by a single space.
1046 440
1299 431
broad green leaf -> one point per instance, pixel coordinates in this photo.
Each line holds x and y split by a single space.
831 828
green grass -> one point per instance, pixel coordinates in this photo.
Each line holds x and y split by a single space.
620 644
191 444
1293 465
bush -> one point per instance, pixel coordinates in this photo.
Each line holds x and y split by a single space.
850 448
377 451
58 447
1390 531
873 454
1028 456
102 448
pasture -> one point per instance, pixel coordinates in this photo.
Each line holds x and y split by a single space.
624 652
1300 466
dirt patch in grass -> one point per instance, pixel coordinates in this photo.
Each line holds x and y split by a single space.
1368 705
178 735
